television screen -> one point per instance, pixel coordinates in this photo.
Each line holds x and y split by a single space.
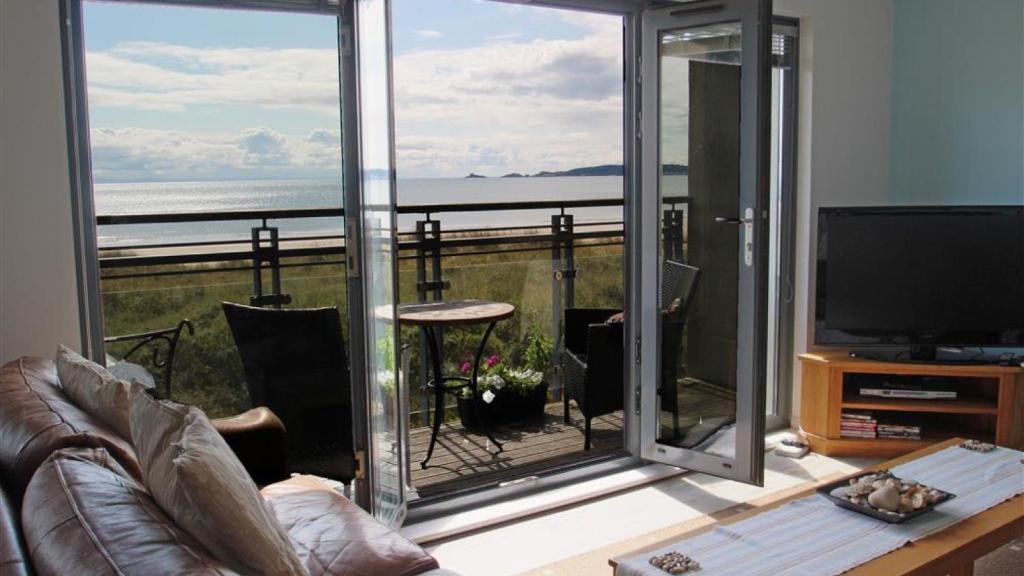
949 276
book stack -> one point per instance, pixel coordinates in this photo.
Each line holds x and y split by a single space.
858 425
901 431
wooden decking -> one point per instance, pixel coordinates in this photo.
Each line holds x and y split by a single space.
465 459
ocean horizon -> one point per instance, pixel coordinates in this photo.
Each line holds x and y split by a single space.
136 198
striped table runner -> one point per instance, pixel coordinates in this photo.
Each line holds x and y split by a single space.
812 536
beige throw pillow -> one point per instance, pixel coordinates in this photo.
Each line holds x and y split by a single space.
196 478
94 389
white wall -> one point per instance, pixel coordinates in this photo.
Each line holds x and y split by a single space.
843 138
38 297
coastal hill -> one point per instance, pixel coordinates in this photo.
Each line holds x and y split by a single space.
602 170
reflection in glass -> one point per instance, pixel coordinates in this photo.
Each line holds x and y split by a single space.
378 254
700 162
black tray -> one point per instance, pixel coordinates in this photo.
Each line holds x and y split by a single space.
884 516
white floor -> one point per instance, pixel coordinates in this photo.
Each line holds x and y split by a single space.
535 542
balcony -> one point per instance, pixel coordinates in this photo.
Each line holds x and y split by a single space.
563 254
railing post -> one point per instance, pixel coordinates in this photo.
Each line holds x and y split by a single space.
266 250
428 237
563 275
672 233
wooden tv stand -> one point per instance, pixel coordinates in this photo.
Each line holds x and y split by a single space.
989 404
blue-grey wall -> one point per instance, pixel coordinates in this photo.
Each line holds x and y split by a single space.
957 102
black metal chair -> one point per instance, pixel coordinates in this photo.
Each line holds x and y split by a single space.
592 362
155 340
295 364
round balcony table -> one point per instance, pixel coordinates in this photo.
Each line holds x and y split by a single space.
432 315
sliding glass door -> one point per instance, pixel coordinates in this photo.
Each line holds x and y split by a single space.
705 105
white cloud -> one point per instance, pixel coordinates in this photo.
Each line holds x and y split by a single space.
172 78
503 106
512 106
507 36
429 34
136 154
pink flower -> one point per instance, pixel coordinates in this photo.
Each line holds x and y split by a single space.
493 360
465 367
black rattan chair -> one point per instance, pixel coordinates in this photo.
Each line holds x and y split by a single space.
678 287
295 364
592 362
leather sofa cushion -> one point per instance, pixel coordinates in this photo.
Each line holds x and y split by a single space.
94 389
13 558
36 419
195 478
82 516
335 537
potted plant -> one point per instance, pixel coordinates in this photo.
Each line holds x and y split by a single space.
506 393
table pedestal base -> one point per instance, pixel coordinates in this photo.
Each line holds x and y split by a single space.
440 386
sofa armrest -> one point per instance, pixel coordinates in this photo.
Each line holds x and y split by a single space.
258 438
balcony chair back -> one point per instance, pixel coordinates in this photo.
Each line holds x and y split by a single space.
592 365
678 288
295 364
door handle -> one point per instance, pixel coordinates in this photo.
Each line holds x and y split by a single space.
726 220
748 233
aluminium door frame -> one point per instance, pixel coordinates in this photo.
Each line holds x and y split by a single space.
83 209
785 304
747 463
348 71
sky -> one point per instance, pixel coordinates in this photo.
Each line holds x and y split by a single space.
182 93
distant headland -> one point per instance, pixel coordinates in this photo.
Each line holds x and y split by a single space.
602 170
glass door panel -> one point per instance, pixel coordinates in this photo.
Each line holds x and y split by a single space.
385 437
704 267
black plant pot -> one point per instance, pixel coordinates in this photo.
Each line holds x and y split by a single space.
506 407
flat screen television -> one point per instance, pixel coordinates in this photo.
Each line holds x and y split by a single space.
920 278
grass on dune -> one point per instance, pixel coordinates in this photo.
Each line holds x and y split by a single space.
208 371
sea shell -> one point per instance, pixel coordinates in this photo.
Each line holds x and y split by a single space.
917 500
839 492
862 488
906 505
885 498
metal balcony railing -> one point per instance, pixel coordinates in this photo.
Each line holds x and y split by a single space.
430 246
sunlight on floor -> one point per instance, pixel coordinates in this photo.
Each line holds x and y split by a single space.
537 542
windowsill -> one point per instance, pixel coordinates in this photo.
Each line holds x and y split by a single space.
515 508
487 516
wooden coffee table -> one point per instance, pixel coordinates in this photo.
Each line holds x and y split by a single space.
951 551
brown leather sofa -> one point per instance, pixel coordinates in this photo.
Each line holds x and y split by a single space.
72 499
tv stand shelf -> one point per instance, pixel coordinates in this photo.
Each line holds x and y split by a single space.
989 404
967 406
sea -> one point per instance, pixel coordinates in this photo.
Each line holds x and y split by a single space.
237 195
